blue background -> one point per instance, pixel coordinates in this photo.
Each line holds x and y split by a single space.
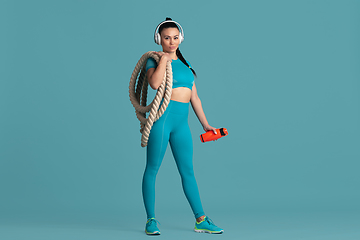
281 76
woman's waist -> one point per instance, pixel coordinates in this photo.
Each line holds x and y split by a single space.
181 94
177 107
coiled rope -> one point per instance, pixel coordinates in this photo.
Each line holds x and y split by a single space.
139 90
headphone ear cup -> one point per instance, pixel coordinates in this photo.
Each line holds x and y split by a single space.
181 38
158 39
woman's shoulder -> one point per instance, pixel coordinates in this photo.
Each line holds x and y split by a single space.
151 60
150 63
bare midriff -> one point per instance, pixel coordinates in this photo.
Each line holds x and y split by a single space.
181 94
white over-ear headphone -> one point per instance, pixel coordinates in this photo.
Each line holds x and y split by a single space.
157 36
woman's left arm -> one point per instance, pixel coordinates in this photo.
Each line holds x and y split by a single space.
198 109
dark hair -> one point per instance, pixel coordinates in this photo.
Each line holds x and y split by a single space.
178 53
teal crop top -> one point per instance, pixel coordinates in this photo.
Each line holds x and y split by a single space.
182 75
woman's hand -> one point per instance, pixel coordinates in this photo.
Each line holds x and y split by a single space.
156 75
164 55
209 128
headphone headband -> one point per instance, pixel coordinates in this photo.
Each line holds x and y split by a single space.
157 38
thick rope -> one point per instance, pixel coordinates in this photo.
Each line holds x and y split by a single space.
138 95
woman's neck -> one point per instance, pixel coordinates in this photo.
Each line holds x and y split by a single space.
173 55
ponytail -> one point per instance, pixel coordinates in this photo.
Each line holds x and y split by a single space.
180 56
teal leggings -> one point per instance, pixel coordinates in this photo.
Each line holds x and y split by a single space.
171 127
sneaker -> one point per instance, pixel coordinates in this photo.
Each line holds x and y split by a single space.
151 227
207 226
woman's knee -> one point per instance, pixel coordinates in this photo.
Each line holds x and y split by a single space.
186 171
152 169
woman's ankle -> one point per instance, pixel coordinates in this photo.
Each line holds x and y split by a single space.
200 219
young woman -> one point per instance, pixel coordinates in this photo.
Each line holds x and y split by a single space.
173 127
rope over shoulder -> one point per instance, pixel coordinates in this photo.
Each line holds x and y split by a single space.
138 95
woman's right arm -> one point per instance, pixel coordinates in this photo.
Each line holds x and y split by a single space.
155 76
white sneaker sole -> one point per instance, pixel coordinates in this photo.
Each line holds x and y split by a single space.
154 233
206 231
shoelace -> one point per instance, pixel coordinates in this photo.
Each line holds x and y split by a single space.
209 221
151 221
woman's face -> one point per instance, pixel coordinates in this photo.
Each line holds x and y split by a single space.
170 39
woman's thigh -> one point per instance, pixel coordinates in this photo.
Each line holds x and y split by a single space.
182 147
158 141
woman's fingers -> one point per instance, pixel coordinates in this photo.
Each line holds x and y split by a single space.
209 128
161 54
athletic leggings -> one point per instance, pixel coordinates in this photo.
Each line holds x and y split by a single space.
171 127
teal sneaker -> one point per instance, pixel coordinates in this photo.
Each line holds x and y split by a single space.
151 227
207 226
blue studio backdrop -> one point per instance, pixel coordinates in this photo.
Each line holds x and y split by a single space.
281 76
